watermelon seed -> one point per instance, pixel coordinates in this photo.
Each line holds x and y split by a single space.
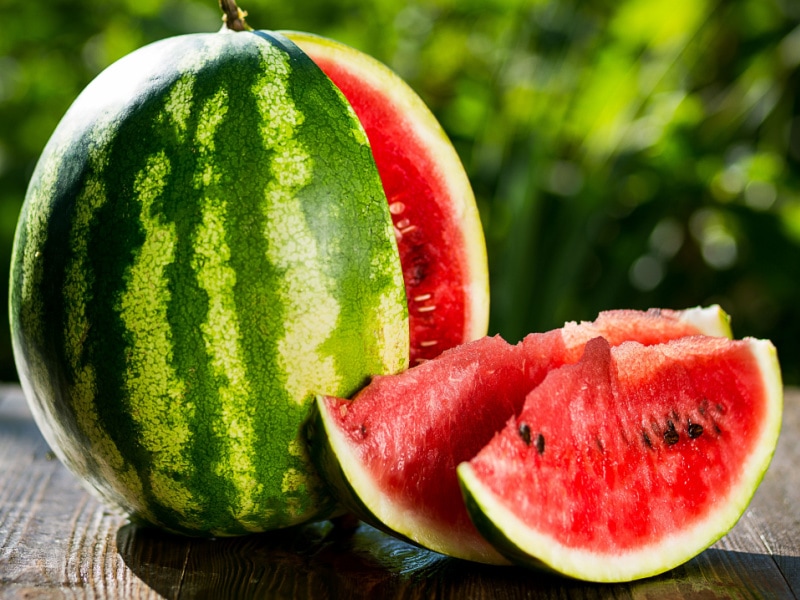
428 343
670 435
396 208
422 297
695 430
646 439
539 443
525 433
428 308
403 224
363 430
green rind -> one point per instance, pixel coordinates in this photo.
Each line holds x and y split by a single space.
190 267
525 547
487 527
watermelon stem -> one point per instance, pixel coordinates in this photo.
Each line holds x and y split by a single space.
233 16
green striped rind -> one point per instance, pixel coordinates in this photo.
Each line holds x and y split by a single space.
205 245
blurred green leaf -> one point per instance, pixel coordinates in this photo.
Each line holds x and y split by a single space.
624 154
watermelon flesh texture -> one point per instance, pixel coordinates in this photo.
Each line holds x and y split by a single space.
631 461
391 453
436 222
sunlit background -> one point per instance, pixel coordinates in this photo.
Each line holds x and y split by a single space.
625 153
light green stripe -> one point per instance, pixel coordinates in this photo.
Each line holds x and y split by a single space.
221 328
156 393
178 106
28 278
27 310
77 293
307 301
391 321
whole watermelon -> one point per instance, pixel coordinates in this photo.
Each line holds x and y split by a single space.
205 245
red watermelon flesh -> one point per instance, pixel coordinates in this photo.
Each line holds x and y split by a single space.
436 223
631 461
391 453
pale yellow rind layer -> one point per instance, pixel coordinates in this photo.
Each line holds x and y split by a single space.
710 320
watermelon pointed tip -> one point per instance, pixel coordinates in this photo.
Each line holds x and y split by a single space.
711 320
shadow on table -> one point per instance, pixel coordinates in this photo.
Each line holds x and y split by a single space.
324 561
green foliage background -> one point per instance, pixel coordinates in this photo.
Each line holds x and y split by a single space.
625 153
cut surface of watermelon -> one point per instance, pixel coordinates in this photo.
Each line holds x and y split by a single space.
436 221
631 461
391 453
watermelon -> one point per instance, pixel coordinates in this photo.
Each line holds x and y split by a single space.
391 452
433 210
631 461
206 245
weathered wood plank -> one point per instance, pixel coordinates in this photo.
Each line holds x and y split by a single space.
774 514
56 540
54 536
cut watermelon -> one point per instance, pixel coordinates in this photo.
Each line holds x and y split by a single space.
391 453
436 221
631 461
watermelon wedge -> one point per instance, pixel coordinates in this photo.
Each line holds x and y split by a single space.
435 218
631 461
391 453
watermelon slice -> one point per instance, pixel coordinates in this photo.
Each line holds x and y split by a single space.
436 220
391 453
631 461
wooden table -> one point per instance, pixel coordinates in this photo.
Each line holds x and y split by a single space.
58 541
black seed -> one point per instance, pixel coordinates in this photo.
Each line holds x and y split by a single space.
363 430
539 443
646 439
670 435
525 433
695 430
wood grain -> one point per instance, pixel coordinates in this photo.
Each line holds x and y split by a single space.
56 540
